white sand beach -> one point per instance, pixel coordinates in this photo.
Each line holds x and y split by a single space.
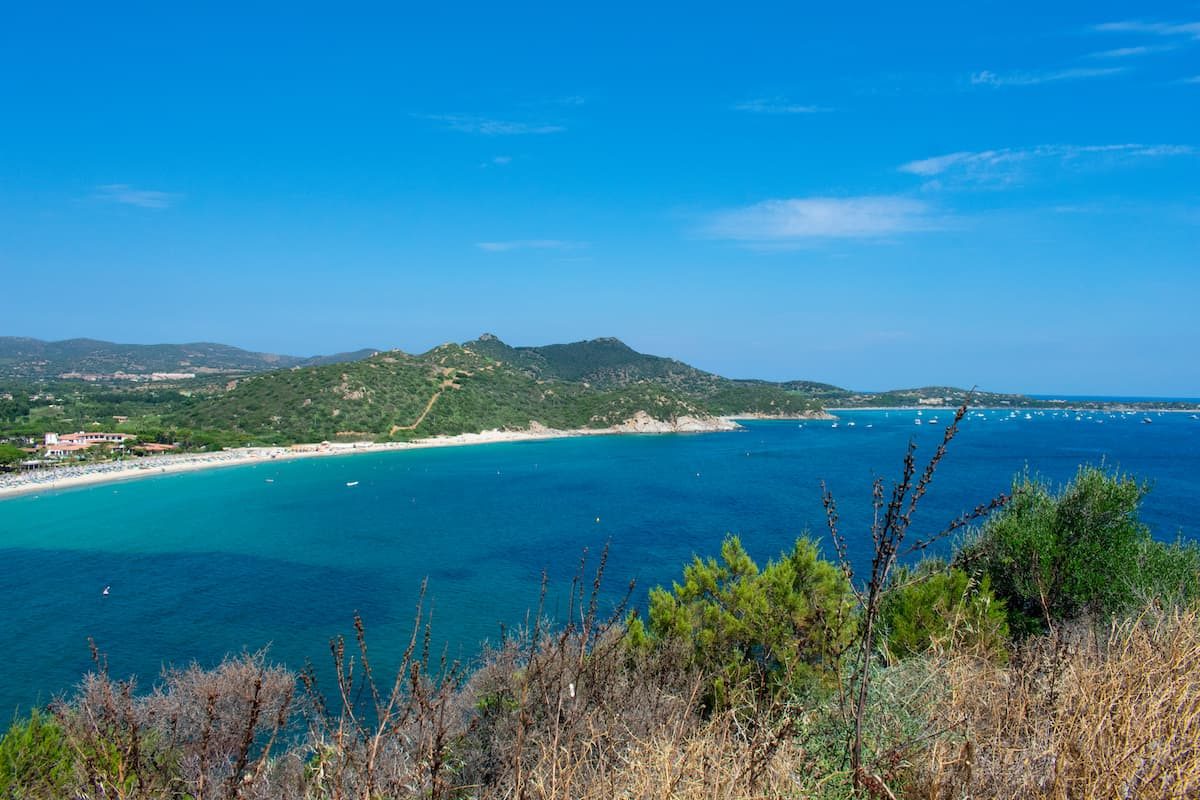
75 475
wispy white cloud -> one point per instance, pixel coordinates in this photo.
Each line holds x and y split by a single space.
776 105
1193 79
1188 29
1128 52
988 78
127 195
489 126
529 244
1008 165
797 219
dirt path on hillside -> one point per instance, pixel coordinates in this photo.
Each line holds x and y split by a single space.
446 384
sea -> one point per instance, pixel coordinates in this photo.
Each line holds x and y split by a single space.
283 555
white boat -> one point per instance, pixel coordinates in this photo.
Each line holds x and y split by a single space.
916 422
352 483
834 425
851 424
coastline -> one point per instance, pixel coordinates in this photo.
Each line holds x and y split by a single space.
69 477
1116 409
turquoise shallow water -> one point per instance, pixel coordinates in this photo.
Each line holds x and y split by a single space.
207 563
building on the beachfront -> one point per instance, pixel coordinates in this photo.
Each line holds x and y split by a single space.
64 450
87 438
69 444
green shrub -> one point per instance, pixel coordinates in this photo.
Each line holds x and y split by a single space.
35 759
1080 551
783 626
936 606
1169 573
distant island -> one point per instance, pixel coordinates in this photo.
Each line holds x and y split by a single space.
208 397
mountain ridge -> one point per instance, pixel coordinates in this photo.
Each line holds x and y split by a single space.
391 395
23 357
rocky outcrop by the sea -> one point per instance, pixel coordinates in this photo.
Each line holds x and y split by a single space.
641 422
819 414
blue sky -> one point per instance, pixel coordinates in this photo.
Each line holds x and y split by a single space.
1001 194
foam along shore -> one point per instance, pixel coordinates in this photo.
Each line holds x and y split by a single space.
65 477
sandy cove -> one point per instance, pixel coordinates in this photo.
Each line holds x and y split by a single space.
19 483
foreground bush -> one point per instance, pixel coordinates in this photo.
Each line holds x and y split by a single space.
35 760
942 608
784 627
1081 551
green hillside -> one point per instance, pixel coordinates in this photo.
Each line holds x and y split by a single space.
605 363
34 359
480 385
610 364
449 390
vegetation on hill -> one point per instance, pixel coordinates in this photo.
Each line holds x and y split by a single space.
610 364
448 390
480 385
794 680
462 389
605 363
25 358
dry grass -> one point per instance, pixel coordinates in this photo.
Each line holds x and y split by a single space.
200 733
713 759
1107 714
1110 713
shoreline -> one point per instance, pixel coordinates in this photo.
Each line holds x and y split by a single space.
1106 410
70 477
77 476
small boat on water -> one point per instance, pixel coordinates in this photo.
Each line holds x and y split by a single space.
352 483
834 425
1147 421
916 422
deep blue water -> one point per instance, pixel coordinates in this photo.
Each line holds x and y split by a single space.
213 562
